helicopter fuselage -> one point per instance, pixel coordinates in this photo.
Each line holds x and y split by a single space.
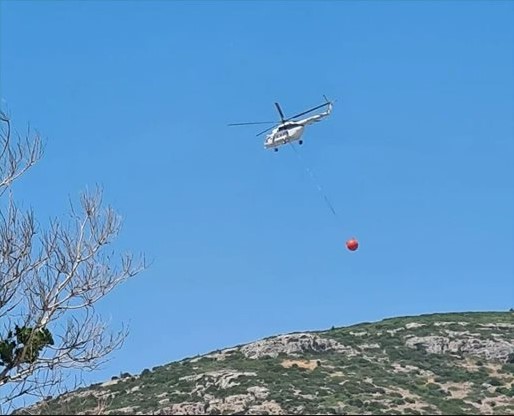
291 131
283 134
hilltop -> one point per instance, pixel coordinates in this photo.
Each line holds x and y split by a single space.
451 363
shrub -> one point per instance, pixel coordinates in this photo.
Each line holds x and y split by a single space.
356 402
508 368
494 382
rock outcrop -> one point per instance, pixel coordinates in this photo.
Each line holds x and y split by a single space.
465 345
293 345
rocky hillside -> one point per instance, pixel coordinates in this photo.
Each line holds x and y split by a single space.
431 364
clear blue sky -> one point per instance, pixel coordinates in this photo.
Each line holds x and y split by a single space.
417 158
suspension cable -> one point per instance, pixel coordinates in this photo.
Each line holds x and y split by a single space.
314 179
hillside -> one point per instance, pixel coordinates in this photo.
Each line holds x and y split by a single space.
431 364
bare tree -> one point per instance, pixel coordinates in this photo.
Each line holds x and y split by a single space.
50 282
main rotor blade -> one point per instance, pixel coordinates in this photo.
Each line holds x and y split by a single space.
280 111
308 111
252 122
264 131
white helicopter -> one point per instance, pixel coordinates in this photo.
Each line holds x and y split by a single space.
289 130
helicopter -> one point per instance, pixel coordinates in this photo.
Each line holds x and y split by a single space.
289 130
